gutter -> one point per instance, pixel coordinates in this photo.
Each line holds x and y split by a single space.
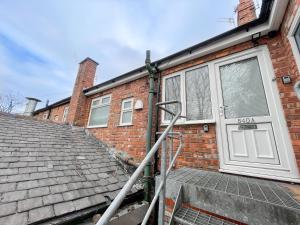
269 20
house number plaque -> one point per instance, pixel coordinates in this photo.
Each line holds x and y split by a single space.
247 127
247 124
246 120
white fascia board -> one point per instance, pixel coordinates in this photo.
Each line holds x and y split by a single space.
273 24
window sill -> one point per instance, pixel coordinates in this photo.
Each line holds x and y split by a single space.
189 123
99 126
125 125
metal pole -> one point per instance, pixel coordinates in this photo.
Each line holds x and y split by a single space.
171 145
127 187
161 211
147 172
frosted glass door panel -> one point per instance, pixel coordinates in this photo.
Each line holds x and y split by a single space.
243 90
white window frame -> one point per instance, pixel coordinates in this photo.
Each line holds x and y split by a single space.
182 121
45 115
65 114
98 106
126 110
292 30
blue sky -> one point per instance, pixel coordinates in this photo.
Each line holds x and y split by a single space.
42 42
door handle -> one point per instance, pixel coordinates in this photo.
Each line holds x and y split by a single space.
221 110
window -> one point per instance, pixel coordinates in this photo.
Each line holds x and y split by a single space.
192 88
56 118
126 112
99 112
297 36
172 93
66 111
294 36
198 99
45 115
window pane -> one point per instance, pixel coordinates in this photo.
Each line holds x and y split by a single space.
126 117
127 105
96 102
106 100
99 116
297 36
243 91
198 101
172 87
66 110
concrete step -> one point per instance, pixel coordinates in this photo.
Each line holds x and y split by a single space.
188 216
248 200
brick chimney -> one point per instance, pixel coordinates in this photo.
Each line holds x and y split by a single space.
85 79
245 12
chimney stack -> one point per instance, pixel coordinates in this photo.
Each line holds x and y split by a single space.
30 106
85 79
245 12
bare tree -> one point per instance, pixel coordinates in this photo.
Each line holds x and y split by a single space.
9 102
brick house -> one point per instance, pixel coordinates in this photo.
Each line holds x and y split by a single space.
243 84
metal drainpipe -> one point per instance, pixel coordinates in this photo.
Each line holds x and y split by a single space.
147 172
156 156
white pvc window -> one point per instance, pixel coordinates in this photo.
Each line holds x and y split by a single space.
99 112
66 111
126 112
191 87
45 115
294 36
297 36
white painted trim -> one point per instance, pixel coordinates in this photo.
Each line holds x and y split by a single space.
101 105
181 73
288 169
272 24
98 126
290 36
126 110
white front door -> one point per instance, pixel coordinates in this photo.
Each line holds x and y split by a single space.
252 132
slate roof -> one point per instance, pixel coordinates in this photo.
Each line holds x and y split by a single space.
48 170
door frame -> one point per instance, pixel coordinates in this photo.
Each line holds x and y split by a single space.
291 172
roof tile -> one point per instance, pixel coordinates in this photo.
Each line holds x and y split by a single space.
13 196
39 191
64 207
7 209
52 198
18 218
29 204
41 214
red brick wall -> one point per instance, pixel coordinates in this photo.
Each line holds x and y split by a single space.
57 111
130 139
284 63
